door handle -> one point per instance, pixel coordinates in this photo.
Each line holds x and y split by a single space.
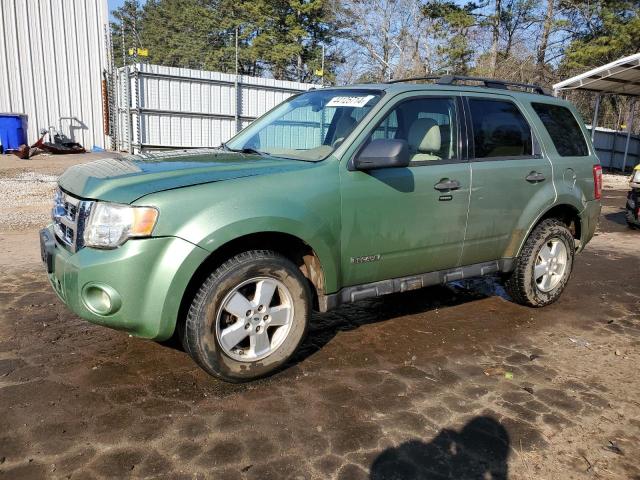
445 185
535 177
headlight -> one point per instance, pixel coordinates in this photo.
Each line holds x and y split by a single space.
112 224
635 178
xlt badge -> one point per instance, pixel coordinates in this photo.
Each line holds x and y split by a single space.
366 259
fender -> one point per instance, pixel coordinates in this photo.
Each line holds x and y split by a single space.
210 216
563 199
316 241
541 202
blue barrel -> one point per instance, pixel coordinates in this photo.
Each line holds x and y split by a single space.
13 131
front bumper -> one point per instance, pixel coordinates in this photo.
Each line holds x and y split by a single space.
589 219
149 277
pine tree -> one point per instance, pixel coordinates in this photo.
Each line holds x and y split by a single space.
606 30
127 23
282 38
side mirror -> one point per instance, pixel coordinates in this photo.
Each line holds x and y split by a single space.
383 153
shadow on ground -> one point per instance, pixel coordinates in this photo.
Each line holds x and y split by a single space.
324 327
478 451
619 218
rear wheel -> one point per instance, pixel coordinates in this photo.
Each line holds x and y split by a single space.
544 266
249 316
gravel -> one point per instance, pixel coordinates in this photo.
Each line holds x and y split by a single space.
25 200
612 181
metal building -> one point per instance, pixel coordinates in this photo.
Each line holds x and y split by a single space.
52 58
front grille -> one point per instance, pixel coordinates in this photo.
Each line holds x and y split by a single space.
69 214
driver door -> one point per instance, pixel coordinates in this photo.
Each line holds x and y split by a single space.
400 221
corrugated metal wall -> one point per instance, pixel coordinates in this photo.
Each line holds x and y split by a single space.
167 107
52 54
611 157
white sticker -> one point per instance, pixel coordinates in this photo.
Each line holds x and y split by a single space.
357 102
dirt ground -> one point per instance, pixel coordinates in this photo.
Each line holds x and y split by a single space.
448 382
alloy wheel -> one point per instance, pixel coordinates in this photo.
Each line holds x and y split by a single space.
254 319
551 264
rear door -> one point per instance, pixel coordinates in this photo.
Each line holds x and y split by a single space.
512 179
402 221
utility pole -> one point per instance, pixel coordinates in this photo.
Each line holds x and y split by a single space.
322 68
236 51
124 49
236 88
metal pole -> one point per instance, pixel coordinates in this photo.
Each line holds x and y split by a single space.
136 85
236 51
124 49
632 109
237 89
322 68
594 122
612 158
112 92
129 101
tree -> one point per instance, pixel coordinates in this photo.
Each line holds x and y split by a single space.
517 19
547 25
603 31
452 27
180 33
283 38
125 30
495 35
286 36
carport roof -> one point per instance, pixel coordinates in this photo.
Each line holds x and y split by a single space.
621 77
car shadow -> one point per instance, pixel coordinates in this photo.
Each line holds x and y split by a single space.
325 326
619 218
478 451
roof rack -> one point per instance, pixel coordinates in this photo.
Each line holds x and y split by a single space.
487 82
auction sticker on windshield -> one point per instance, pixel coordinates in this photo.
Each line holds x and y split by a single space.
357 102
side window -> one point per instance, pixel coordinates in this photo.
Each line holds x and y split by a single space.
388 128
563 129
499 129
427 124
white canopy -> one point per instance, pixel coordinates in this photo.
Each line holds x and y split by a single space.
621 77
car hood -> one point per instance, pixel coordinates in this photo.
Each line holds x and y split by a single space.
128 178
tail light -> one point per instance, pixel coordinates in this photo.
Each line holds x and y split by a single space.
597 182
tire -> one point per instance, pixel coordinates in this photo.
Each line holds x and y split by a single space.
211 330
522 284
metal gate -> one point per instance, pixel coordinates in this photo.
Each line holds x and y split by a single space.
165 107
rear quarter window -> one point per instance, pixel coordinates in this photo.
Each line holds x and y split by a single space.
563 129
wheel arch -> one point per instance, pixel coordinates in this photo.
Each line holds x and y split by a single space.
566 212
288 245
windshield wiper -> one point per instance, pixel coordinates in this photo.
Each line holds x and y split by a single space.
248 150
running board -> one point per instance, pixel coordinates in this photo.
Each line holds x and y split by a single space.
413 282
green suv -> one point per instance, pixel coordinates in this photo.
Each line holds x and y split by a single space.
336 195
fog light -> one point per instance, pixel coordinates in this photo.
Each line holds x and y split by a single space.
101 299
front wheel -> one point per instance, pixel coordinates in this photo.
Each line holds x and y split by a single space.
544 265
249 316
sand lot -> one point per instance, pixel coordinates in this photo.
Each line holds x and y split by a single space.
446 382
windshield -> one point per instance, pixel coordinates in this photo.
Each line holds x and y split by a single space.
307 127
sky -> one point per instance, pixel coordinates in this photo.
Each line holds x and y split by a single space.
113 4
